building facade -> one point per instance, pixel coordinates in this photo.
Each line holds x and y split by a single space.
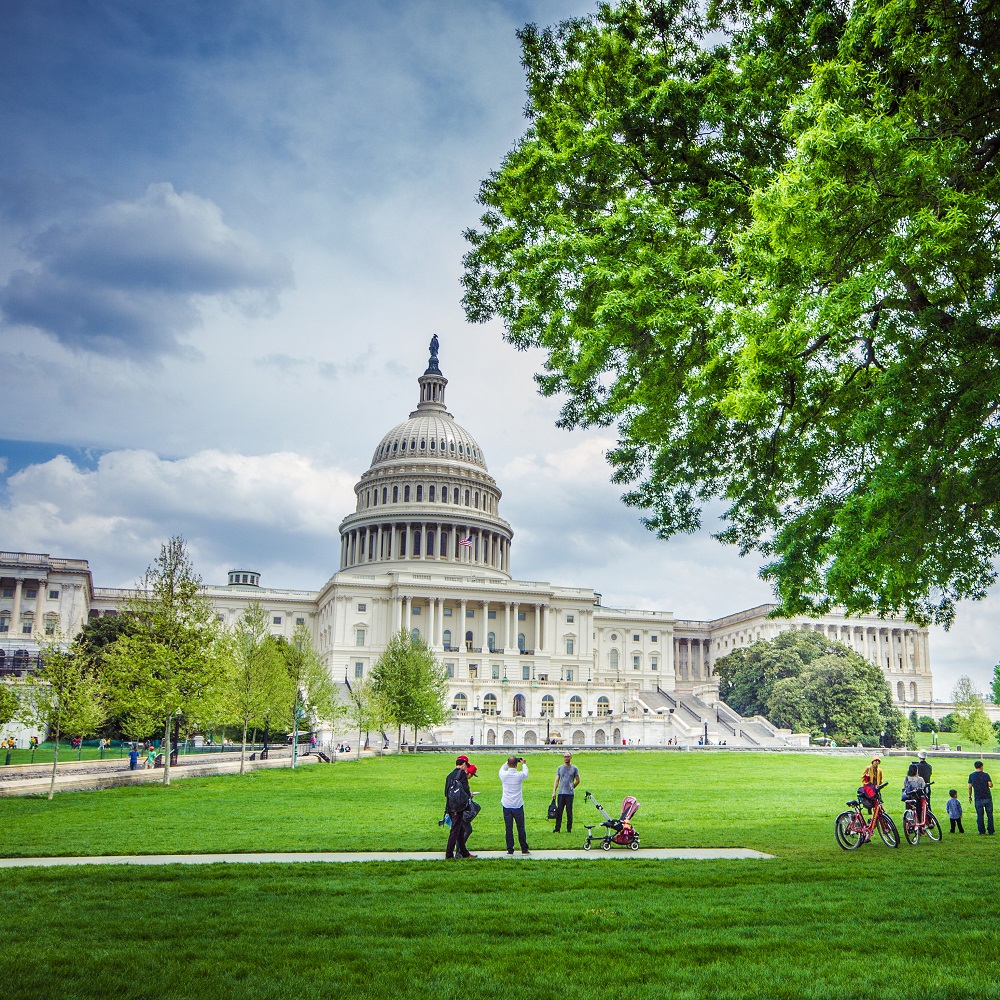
427 550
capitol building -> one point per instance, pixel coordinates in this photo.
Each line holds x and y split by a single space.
426 549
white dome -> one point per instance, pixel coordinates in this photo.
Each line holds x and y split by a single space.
429 435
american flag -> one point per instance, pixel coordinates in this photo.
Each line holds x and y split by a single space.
467 542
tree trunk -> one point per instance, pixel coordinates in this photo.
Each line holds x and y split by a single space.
399 739
55 761
243 748
165 750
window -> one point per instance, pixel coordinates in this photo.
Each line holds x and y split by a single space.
360 637
495 671
635 637
575 707
491 642
652 663
491 614
430 492
300 621
473 670
447 612
220 617
520 642
636 661
548 706
4 624
415 634
467 494
461 703
362 607
469 613
569 675
276 619
449 669
31 592
385 494
395 494
490 704
525 673
446 638
613 659
614 637
603 706
359 669
569 647
50 627
520 616
456 488
570 619
26 628
406 494
53 595
8 591
420 493
415 610
654 638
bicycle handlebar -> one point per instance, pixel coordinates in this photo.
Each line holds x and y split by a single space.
880 787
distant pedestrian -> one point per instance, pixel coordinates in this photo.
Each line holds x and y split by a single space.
513 774
567 778
954 808
980 784
133 759
150 757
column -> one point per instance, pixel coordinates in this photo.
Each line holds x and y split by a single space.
538 627
407 614
15 614
397 614
694 648
486 626
513 631
506 624
423 541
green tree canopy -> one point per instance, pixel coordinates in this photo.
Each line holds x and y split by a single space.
801 680
10 704
771 261
410 684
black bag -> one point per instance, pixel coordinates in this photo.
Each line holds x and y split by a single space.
471 810
458 798
553 809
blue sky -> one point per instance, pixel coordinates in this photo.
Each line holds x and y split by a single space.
227 233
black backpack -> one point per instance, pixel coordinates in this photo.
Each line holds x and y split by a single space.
457 797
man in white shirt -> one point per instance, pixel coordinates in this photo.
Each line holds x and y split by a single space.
512 776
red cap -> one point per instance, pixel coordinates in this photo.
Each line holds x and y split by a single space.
462 760
471 770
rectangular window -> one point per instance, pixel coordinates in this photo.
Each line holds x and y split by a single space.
360 637
491 614
470 613
652 663
495 671
570 619
32 592
53 595
654 638
569 647
26 628
4 624
520 616
569 675
359 669
635 637
221 617
50 628
415 611
473 670
447 612
525 673
449 669
277 619
300 621
362 607
8 591
636 662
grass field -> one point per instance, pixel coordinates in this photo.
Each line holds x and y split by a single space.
815 922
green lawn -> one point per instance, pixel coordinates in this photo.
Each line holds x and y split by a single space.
816 922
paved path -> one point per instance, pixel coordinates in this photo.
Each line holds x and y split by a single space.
644 854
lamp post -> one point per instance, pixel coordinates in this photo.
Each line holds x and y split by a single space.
824 734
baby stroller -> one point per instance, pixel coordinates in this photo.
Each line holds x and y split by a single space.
619 831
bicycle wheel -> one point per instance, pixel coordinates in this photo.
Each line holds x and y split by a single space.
887 830
845 828
910 829
933 827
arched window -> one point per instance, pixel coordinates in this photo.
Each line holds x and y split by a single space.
461 702
420 494
603 706
404 447
575 707
456 492
423 444
415 634
913 690
444 543
385 494
468 640
446 638
467 493
519 705
548 705
477 498
368 498
520 642
490 704
430 543
416 542
613 659
395 494
491 642
430 495
406 494
900 691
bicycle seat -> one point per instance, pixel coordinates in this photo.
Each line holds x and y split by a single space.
854 803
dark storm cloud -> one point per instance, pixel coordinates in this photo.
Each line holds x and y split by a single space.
127 278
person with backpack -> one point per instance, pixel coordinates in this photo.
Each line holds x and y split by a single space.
472 809
457 798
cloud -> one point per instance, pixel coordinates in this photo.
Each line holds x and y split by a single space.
128 277
274 511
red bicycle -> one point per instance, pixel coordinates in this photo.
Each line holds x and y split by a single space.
918 819
853 830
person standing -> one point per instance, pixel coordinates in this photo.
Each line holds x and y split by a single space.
980 784
133 758
472 809
512 777
954 808
457 798
873 772
567 778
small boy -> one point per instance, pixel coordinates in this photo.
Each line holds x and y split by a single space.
954 808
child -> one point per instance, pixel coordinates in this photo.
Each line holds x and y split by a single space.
954 808
913 784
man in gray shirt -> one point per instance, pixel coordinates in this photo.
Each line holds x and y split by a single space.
567 778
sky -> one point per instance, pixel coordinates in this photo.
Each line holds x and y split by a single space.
227 234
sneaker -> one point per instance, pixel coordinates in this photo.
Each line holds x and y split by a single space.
557 830
510 852
525 852
470 855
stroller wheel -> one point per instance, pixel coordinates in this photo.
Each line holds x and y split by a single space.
605 845
634 846
586 844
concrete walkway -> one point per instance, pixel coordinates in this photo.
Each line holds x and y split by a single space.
644 854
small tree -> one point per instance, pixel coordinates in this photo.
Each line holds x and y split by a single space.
366 709
996 684
63 697
167 663
411 684
10 704
256 681
974 727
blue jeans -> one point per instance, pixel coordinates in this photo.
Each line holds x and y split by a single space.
984 806
510 817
